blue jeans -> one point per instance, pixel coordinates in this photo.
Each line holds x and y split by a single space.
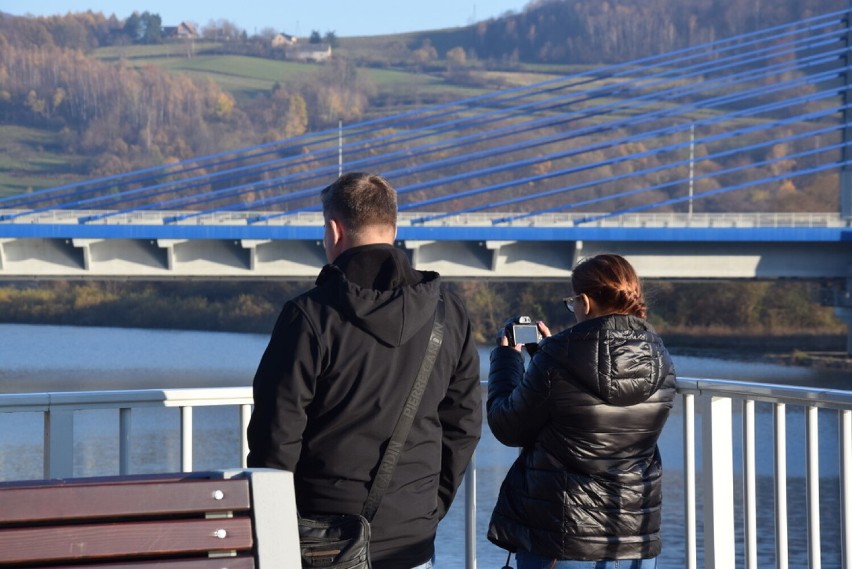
533 561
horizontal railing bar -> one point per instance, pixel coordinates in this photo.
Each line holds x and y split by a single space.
768 392
716 219
80 400
196 397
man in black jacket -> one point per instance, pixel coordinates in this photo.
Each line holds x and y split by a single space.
339 366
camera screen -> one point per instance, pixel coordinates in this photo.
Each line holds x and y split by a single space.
525 334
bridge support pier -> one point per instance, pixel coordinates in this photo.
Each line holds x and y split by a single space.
842 302
845 314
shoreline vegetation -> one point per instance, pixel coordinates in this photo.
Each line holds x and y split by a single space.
812 349
777 322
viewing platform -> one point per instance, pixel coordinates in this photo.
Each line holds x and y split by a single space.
724 524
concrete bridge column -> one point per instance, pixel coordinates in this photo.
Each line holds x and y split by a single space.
169 245
85 245
845 314
843 308
3 252
252 245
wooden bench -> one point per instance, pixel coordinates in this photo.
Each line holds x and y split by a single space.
237 519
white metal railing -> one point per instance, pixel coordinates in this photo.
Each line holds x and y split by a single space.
664 219
716 409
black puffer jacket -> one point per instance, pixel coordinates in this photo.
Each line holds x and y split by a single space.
588 413
332 384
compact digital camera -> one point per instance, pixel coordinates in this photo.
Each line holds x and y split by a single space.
522 330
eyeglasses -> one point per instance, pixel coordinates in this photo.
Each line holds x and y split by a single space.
569 302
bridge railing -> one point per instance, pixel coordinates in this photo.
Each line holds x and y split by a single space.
708 405
665 219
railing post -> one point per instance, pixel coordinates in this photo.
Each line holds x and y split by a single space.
186 439
846 168
691 548
749 485
124 440
59 443
718 467
781 486
470 514
812 479
245 417
845 427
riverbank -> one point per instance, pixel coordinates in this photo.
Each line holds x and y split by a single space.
809 350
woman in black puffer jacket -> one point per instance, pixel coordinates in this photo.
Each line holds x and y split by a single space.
588 412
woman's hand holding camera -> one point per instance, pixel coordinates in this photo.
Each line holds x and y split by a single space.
503 335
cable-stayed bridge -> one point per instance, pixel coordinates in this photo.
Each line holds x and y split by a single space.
689 162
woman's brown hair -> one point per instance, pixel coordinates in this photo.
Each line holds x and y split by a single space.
611 282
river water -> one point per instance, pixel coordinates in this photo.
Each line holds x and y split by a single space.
67 358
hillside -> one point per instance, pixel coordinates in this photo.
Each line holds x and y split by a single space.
86 95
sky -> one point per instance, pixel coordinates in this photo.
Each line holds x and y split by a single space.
296 17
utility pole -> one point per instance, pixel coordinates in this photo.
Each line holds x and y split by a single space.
339 148
691 166
846 169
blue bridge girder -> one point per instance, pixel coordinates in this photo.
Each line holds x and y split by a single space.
666 245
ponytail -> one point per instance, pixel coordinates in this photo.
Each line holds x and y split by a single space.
612 283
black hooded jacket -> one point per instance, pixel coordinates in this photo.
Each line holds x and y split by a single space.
332 382
588 413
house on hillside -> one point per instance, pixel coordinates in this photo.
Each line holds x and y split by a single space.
308 52
183 31
283 40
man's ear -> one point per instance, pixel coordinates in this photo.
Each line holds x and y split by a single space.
336 231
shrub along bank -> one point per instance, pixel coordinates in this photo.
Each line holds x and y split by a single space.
752 316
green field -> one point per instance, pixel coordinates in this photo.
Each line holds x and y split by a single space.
32 158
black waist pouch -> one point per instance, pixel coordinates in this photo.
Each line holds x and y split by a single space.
335 541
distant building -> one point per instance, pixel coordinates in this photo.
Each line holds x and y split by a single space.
308 52
183 31
283 40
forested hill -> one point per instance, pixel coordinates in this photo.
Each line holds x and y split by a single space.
609 31
544 31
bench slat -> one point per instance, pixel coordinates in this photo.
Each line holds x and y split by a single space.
210 563
104 541
136 499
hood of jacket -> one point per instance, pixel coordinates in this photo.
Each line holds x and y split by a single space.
379 291
618 358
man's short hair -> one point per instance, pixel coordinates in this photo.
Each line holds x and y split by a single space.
359 200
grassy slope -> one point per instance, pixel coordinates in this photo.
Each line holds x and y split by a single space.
31 158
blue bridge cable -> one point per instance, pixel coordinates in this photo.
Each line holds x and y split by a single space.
819 60
161 170
278 150
492 151
706 193
196 160
590 166
443 144
606 144
637 173
709 193
610 143
251 187
760 32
